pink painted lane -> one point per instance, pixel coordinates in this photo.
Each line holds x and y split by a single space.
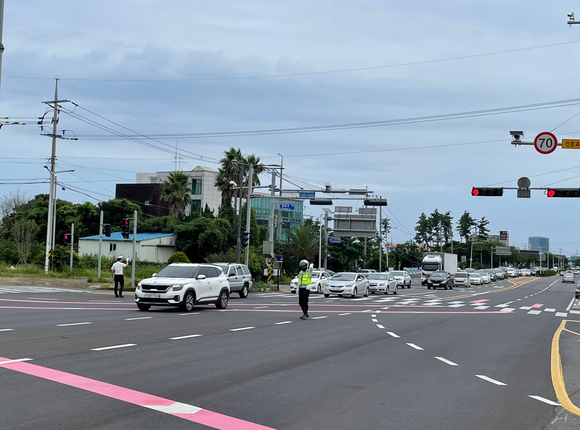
537 306
170 407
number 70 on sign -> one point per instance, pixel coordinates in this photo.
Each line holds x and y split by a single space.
545 143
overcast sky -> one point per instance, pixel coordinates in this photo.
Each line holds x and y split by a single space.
191 66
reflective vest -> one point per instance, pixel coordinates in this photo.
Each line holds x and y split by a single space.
304 279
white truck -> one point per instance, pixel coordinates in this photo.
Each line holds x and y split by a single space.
433 261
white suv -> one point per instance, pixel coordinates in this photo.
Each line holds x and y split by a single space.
184 285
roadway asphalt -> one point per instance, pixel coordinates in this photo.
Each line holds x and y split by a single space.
504 355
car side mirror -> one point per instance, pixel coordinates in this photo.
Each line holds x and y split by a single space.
200 277
232 274
154 275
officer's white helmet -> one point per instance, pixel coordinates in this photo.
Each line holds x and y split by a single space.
303 264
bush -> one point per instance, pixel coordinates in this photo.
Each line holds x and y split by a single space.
178 257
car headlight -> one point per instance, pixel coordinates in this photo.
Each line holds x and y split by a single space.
177 287
139 286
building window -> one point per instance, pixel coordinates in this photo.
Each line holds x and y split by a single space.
196 186
195 206
112 247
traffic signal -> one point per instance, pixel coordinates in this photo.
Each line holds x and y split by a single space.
108 230
245 238
563 192
486 191
66 239
125 230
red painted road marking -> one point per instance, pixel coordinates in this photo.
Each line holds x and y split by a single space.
479 301
537 305
177 409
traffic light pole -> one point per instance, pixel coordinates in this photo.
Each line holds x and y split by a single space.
72 241
134 245
100 244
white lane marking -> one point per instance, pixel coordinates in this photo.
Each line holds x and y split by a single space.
260 307
390 333
126 345
503 305
138 318
508 310
380 326
189 313
319 318
368 310
373 316
71 324
549 310
189 336
571 304
242 328
542 399
561 314
455 306
18 360
418 348
572 312
444 360
534 312
6 329
283 322
488 379
525 308
375 320
42 298
175 408
481 307
348 313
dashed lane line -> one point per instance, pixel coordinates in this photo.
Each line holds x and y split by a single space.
73 324
488 379
189 336
283 322
418 348
542 399
242 328
390 333
104 348
449 362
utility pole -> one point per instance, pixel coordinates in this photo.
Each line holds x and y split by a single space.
1 31
249 211
134 246
100 244
50 229
239 241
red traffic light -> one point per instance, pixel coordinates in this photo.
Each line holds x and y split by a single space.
551 193
563 192
487 191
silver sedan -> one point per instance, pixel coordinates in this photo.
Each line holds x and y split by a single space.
347 284
382 283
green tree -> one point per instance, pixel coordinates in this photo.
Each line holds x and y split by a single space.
423 230
303 242
482 230
229 172
175 190
465 226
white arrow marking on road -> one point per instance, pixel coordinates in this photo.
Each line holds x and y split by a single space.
488 379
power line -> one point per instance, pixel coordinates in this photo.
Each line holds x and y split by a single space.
363 124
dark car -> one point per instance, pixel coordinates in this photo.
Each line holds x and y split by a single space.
577 293
440 278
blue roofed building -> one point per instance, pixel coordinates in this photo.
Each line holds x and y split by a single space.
152 247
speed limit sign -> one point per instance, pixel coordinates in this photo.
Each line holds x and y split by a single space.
545 143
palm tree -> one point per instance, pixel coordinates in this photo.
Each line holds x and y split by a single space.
303 241
175 190
228 172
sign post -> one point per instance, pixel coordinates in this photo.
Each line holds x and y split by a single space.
545 142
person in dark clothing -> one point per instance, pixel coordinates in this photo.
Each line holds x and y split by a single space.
117 272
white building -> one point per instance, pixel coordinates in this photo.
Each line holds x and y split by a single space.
153 247
203 189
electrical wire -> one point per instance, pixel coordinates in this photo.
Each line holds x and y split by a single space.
364 124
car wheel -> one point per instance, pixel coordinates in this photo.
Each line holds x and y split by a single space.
143 306
409 286
327 295
428 287
222 301
446 286
188 302
293 292
367 292
354 294
395 292
245 291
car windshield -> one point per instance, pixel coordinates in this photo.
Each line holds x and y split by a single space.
461 275
344 277
475 275
430 266
398 273
377 276
439 273
178 272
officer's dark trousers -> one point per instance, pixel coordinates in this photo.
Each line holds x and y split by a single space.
119 280
303 294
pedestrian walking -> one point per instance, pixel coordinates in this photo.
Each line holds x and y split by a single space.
304 281
117 272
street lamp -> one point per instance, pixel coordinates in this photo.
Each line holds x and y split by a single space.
326 219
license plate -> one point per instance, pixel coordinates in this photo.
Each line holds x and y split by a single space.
151 296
